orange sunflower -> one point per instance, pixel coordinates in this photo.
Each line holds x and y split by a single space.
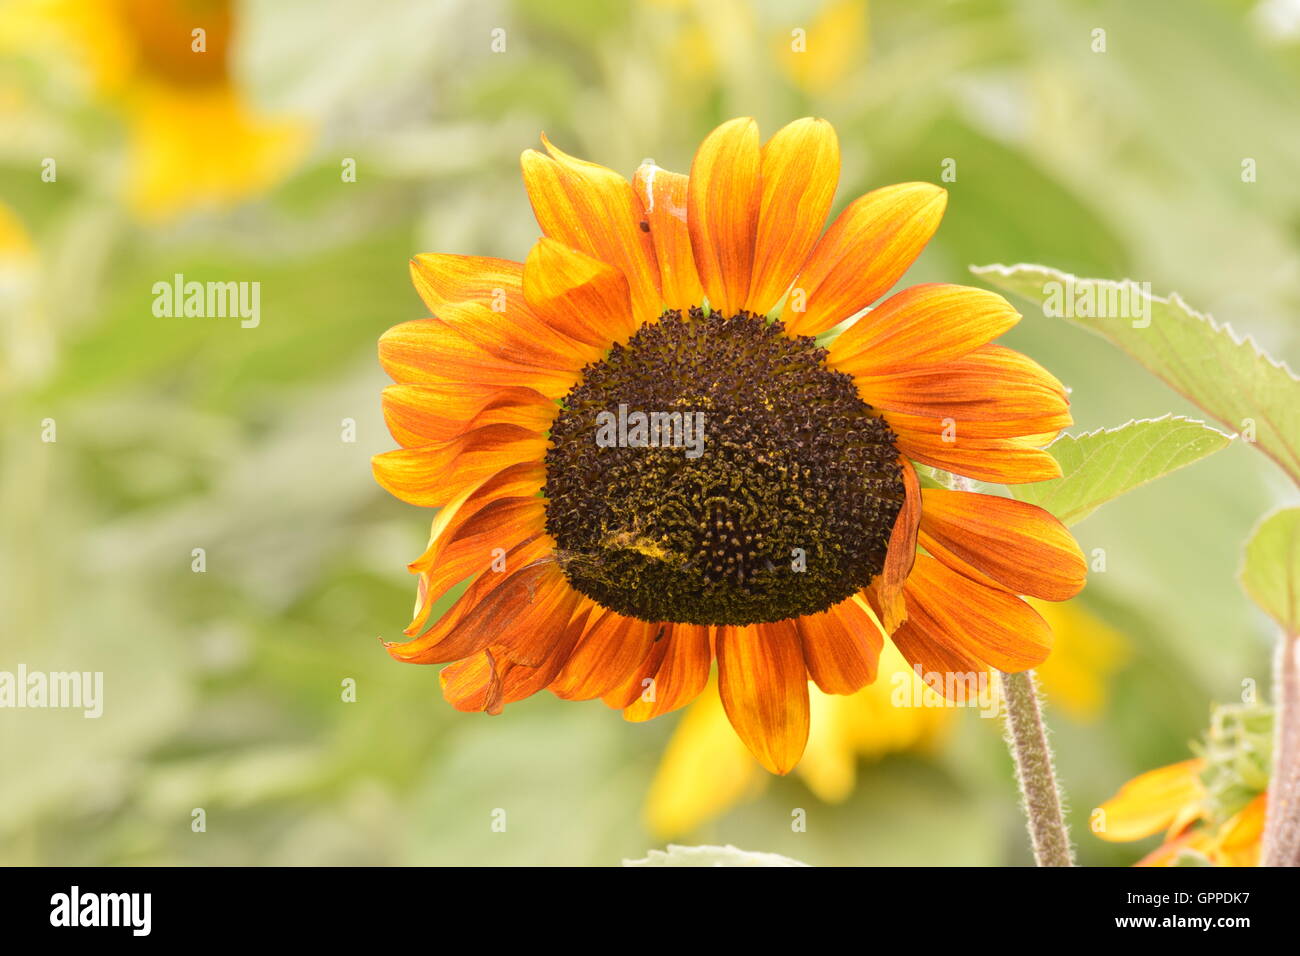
645 460
1174 799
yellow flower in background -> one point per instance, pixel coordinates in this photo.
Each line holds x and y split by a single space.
818 57
1211 808
1086 654
22 326
1171 798
15 243
165 66
705 770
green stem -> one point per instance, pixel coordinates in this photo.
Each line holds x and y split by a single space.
1282 824
1027 740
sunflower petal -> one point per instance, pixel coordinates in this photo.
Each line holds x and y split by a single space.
503 523
473 684
992 383
443 279
494 592
1151 801
582 297
841 646
922 325
724 194
1018 545
434 474
434 352
663 205
763 683
800 168
682 673
594 210
863 254
423 414
987 624
611 649
1007 461
887 587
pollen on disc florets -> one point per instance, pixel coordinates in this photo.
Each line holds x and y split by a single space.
784 508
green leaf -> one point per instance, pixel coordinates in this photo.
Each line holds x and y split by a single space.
1101 465
711 856
1271 570
1230 378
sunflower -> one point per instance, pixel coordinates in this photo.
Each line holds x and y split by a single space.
1172 799
773 519
194 139
1211 807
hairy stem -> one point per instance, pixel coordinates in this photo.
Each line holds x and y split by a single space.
1027 740
1282 826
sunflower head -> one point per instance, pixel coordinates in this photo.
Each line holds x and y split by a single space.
785 508
648 458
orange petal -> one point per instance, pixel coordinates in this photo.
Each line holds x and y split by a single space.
922 325
1008 461
470 550
763 683
1018 545
473 684
584 298
524 480
519 337
593 209
841 646
521 619
992 383
988 624
493 592
887 588
547 651
1151 801
641 681
948 671
864 253
447 279
433 352
483 299
724 194
423 414
800 168
1036 432
432 475
663 205
682 673
610 651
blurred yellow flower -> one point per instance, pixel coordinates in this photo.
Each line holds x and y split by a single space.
1172 798
1212 807
818 55
21 322
165 67
1086 653
706 770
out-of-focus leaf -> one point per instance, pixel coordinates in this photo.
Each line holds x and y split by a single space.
1101 465
711 856
1231 378
1271 571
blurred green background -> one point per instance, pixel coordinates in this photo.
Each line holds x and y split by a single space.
223 689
